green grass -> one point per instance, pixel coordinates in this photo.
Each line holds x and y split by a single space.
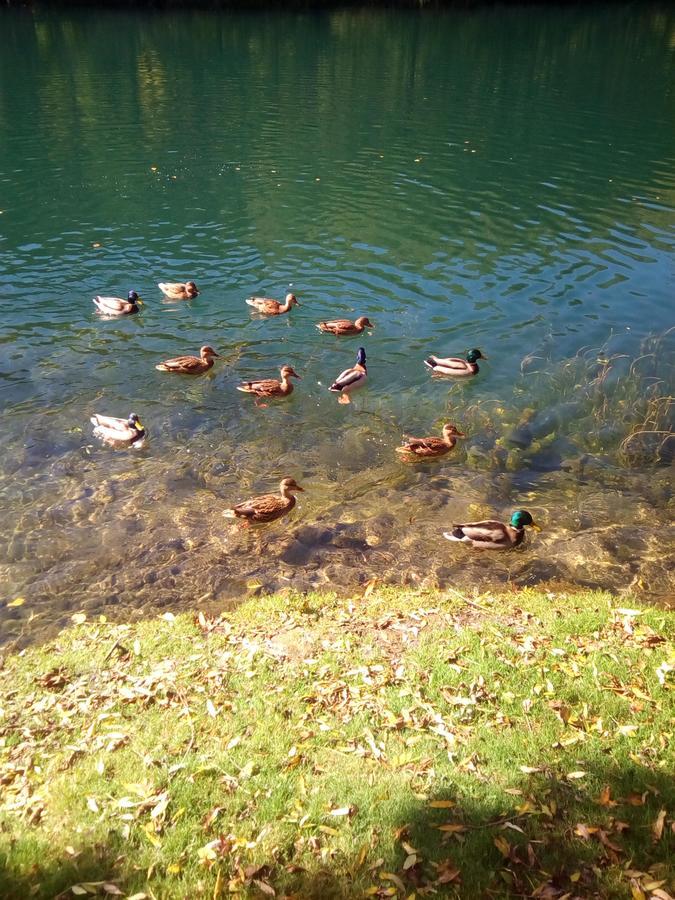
401 744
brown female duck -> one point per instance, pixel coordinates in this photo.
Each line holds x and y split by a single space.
190 365
271 387
269 307
432 447
268 507
178 290
345 326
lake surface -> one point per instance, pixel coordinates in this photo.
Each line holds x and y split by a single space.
502 179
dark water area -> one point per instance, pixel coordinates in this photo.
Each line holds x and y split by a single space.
502 179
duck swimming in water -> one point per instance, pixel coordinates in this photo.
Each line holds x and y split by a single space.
119 432
269 307
271 387
455 365
351 379
190 365
178 290
432 447
490 535
116 306
268 507
345 326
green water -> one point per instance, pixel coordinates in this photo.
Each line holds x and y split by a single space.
494 178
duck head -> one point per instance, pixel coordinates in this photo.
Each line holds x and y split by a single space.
289 372
133 297
521 518
452 431
291 300
289 485
361 356
207 352
364 322
134 422
474 355
191 288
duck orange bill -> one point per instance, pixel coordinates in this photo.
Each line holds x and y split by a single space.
535 526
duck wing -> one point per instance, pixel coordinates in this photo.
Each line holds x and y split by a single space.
264 304
348 378
453 363
429 446
264 508
266 387
337 326
181 364
113 305
489 533
111 423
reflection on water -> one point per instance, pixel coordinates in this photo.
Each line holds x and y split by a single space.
498 182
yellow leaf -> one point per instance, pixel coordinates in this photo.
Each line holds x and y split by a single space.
657 827
389 876
78 618
327 830
442 804
173 869
574 877
452 828
19 601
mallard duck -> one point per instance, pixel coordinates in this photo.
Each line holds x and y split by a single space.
119 432
116 306
190 365
272 307
351 379
268 507
271 387
454 365
491 535
345 326
178 290
431 447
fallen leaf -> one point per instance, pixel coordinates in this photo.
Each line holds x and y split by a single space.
657 827
442 804
342 811
19 601
575 775
530 770
78 618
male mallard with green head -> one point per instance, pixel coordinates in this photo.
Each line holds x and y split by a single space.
491 535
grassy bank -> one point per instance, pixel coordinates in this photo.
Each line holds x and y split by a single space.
396 745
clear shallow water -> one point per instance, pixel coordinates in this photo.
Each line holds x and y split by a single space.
501 179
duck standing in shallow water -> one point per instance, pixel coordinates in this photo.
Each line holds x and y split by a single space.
268 507
178 290
432 447
116 306
119 432
351 379
455 365
345 326
489 535
271 387
190 365
269 307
